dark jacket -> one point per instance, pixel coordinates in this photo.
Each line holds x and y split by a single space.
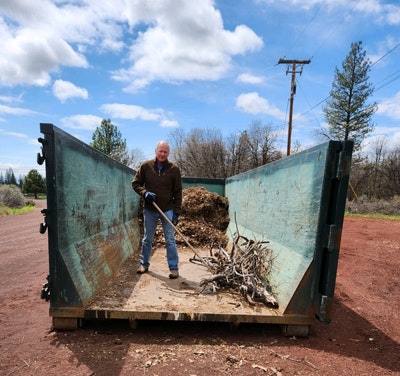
165 183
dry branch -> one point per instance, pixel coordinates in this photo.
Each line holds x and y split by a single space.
288 357
244 269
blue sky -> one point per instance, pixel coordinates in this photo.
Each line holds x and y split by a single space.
153 66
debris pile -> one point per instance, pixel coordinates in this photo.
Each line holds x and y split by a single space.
203 221
244 269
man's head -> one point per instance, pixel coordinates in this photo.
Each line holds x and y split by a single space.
162 151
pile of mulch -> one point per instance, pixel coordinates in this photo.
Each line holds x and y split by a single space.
203 221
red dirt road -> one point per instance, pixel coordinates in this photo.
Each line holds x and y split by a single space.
362 339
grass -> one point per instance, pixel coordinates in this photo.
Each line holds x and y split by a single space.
15 211
380 209
373 215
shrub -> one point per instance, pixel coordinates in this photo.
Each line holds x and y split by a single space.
368 206
30 203
11 196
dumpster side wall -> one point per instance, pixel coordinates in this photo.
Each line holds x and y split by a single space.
92 216
212 185
282 203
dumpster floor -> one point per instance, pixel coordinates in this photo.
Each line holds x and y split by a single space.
154 296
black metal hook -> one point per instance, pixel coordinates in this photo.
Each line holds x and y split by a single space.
41 157
43 226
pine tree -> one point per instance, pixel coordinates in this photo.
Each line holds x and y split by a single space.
347 112
10 177
108 139
34 183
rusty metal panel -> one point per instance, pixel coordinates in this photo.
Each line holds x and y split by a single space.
92 217
295 203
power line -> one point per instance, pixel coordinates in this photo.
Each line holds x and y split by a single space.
299 35
390 80
307 103
387 53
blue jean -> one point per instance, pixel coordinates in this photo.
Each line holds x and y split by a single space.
150 220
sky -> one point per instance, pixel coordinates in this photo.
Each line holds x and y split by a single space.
154 66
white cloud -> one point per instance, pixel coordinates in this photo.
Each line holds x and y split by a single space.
30 55
38 37
9 110
178 40
14 166
19 136
169 124
10 99
252 103
65 90
132 112
386 13
83 122
13 134
21 169
380 10
390 107
393 14
250 79
380 137
184 41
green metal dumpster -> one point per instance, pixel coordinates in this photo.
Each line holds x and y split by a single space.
91 220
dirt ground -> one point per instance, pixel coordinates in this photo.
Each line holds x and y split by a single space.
363 337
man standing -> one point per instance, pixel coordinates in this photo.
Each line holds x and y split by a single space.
159 181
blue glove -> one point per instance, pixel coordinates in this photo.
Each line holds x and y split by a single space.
175 219
150 196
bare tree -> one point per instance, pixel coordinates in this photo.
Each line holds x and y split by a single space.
252 148
238 153
204 152
177 139
262 140
378 175
391 173
136 157
375 180
201 153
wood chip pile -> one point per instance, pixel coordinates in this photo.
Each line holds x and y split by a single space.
203 221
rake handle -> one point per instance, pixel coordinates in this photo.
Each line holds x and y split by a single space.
183 237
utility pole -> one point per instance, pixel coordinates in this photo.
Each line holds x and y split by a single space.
292 91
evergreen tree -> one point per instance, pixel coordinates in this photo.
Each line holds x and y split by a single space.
347 112
108 139
34 183
10 177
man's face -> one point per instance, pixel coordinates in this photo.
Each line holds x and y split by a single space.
162 152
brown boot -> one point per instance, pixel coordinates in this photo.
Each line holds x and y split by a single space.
142 269
173 274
